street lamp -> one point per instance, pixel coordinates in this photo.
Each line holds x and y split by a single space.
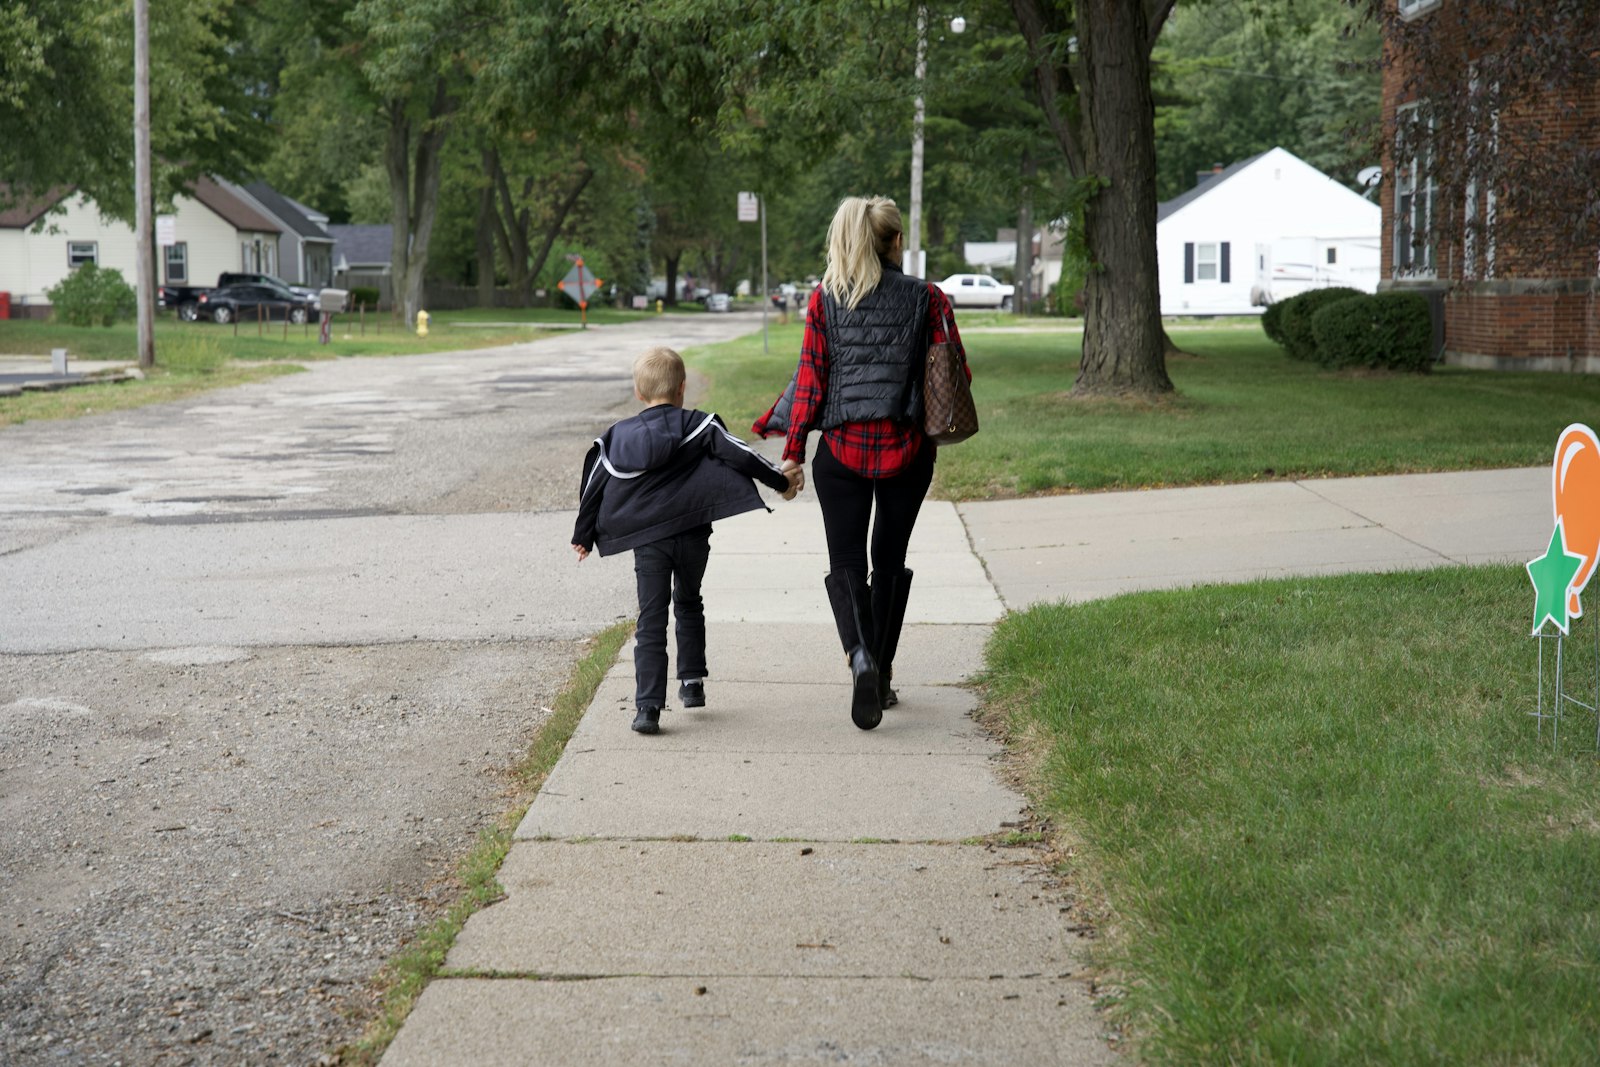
912 257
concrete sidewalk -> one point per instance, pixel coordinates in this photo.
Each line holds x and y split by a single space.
855 926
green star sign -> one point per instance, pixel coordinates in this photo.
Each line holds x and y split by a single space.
1552 575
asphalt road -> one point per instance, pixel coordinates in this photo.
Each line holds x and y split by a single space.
265 656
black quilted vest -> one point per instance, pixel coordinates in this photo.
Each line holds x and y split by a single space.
875 352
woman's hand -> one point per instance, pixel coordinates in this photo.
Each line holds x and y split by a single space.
797 478
583 553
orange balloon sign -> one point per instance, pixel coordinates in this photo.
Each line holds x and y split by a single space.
1576 475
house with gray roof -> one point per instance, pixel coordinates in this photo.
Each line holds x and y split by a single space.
305 249
362 256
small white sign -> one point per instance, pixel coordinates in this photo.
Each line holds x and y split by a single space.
166 230
749 207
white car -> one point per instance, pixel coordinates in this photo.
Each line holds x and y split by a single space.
977 291
719 302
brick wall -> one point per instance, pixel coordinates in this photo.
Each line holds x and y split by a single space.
1526 306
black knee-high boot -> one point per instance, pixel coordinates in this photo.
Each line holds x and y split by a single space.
890 592
852 614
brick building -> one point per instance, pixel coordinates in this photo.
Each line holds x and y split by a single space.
1510 286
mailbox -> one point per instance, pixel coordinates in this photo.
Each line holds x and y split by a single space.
334 300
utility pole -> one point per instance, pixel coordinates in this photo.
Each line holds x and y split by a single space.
765 299
913 241
142 193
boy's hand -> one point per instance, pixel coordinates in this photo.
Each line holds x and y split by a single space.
583 553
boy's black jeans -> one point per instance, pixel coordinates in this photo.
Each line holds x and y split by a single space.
669 571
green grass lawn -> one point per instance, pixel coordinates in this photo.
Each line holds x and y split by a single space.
1243 412
381 337
1323 825
192 366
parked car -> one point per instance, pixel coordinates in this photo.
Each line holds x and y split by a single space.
239 278
186 299
229 302
977 291
719 302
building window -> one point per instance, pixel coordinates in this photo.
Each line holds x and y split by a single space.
1333 256
177 264
1205 261
1413 197
81 252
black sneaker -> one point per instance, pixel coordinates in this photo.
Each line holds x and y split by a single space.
692 693
648 721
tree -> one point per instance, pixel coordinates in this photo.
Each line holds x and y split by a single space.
1233 80
1092 65
66 98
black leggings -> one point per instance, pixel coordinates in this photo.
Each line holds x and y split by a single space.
846 499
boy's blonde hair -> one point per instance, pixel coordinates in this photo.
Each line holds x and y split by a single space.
863 230
658 374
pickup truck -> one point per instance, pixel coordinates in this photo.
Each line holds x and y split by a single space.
186 299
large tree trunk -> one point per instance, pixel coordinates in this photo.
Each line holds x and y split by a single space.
485 236
414 192
1022 302
1123 342
672 280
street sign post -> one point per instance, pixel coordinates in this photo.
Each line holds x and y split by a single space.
752 208
578 284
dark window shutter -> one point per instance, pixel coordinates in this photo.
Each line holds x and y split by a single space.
1225 261
1188 262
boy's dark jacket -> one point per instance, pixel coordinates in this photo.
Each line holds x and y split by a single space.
664 471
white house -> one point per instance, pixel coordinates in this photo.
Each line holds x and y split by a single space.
1265 228
216 231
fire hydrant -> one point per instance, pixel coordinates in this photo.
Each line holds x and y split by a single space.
422 324
658 307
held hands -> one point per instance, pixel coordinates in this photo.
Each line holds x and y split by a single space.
797 478
583 553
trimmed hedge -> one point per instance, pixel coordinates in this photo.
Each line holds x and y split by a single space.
364 294
1295 320
1272 321
1393 330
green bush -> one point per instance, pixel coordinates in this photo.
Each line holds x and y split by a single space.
1388 330
1272 321
364 294
1295 320
90 296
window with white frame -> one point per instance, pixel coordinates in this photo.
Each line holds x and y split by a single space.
1205 261
81 252
1413 197
177 263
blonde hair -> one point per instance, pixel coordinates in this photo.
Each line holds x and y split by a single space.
658 374
862 232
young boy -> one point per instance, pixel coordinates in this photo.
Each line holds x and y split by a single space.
654 483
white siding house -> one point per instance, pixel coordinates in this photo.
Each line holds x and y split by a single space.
1265 228
216 231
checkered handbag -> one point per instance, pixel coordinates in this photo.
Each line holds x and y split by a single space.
948 413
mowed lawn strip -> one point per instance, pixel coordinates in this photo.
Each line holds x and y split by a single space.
382 337
1323 823
1243 412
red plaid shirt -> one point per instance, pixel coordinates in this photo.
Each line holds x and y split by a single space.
877 448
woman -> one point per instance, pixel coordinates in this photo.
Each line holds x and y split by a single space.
868 330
